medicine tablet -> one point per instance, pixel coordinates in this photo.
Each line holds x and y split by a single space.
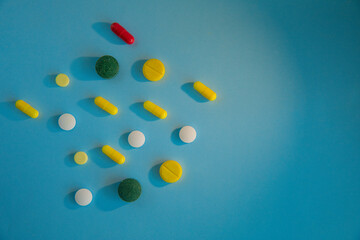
80 158
67 121
153 70
62 80
136 139
129 190
107 67
83 197
170 171
187 134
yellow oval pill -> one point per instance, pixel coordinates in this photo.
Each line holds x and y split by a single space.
205 91
155 109
26 108
62 80
80 158
153 70
170 171
113 154
106 105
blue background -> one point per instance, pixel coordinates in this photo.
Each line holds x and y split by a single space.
277 154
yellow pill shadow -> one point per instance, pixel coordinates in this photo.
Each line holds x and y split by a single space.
140 111
154 176
88 105
69 159
137 71
50 81
9 111
191 91
99 158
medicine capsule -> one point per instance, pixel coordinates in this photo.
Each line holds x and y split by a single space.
122 33
155 109
113 154
26 108
106 105
205 91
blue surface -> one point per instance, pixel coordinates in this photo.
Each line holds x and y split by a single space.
277 154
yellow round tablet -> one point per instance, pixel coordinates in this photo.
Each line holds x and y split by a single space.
153 70
62 80
170 171
80 158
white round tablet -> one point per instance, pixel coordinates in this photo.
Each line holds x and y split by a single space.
136 139
83 197
187 134
67 121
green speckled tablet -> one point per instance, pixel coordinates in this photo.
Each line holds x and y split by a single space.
107 67
129 190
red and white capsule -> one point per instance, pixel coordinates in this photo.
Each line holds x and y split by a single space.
122 33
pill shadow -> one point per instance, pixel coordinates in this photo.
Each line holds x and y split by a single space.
49 81
107 198
69 160
123 141
83 68
100 159
154 176
136 71
69 200
88 105
52 124
104 30
188 88
9 111
175 137
140 111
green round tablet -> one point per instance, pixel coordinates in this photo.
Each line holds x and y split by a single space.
107 66
129 190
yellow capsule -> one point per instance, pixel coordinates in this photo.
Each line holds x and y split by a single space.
113 154
155 109
106 105
205 91
26 108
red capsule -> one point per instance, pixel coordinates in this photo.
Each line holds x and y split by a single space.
122 33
